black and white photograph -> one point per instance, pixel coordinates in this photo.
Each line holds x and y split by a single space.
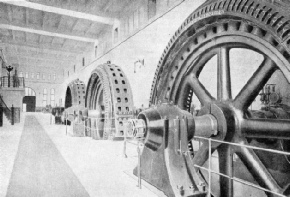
144 98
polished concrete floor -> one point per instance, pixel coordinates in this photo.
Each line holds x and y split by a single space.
38 158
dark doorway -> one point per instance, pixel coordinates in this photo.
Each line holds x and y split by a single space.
68 98
68 101
30 102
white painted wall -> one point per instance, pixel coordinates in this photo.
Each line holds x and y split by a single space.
147 44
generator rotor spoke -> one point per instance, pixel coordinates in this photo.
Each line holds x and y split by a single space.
200 91
201 156
252 88
257 168
224 91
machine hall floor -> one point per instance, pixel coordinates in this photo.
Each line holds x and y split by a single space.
39 159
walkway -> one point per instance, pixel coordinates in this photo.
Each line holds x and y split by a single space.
39 168
40 159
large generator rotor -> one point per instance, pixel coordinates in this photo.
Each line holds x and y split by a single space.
74 99
74 106
213 31
75 94
109 102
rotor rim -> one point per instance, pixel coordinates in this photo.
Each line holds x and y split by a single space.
188 68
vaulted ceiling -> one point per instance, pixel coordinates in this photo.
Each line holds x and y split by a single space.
47 32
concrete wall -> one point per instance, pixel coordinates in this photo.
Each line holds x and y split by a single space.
39 87
47 81
146 42
12 96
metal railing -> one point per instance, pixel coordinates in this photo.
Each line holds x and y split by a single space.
87 121
12 82
210 163
244 182
209 169
7 112
127 139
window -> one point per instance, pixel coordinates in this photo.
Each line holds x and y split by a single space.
151 8
43 76
136 19
20 74
126 26
44 100
54 76
37 76
49 76
170 3
32 75
131 23
26 75
29 92
83 61
52 102
141 15
96 51
116 35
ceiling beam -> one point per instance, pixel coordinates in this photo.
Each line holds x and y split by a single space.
12 56
16 49
47 33
9 12
38 62
61 11
43 47
58 24
26 21
107 5
37 55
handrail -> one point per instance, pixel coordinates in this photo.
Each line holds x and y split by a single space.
12 82
238 180
210 171
6 109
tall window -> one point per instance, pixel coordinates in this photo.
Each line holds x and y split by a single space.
29 92
43 76
52 101
131 23
49 76
126 26
54 76
151 8
96 51
170 2
44 100
32 75
37 76
26 75
136 19
116 35
84 61
141 15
